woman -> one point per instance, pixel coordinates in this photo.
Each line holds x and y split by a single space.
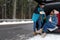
51 22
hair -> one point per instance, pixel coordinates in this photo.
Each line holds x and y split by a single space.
36 10
42 3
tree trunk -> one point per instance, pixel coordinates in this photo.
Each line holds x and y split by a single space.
14 9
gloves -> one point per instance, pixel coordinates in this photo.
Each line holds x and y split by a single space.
42 12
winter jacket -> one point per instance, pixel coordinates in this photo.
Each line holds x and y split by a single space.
36 15
54 20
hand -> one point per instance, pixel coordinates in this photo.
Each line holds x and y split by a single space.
42 12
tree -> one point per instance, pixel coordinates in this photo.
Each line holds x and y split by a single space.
14 10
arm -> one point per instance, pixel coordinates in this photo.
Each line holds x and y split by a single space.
55 20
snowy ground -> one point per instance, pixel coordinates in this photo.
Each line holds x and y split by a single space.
48 37
21 22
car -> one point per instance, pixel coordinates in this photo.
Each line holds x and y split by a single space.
49 7
45 1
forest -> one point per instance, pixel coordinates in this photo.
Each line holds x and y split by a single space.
17 9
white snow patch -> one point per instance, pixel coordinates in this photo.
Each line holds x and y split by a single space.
22 22
48 37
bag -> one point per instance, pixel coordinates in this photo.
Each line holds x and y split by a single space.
35 17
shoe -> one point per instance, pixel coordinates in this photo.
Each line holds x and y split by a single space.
39 31
43 35
34 33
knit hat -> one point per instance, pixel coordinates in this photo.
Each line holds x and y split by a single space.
42 3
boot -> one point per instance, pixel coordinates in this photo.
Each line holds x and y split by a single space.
39 31
34 33
43 35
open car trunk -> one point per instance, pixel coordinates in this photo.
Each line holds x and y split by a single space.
49 7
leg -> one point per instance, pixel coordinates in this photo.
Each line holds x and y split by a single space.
39 27
47 25
45 29
39 24
34 28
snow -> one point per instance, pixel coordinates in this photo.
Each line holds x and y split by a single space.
21 22
48 37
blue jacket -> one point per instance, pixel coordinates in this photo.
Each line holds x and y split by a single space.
54 20
36 15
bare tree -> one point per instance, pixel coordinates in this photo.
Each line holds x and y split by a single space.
14 9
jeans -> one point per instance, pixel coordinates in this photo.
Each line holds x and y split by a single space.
48 25
39 25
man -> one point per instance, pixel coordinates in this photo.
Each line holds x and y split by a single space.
38 17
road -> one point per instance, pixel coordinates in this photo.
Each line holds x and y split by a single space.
16 32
